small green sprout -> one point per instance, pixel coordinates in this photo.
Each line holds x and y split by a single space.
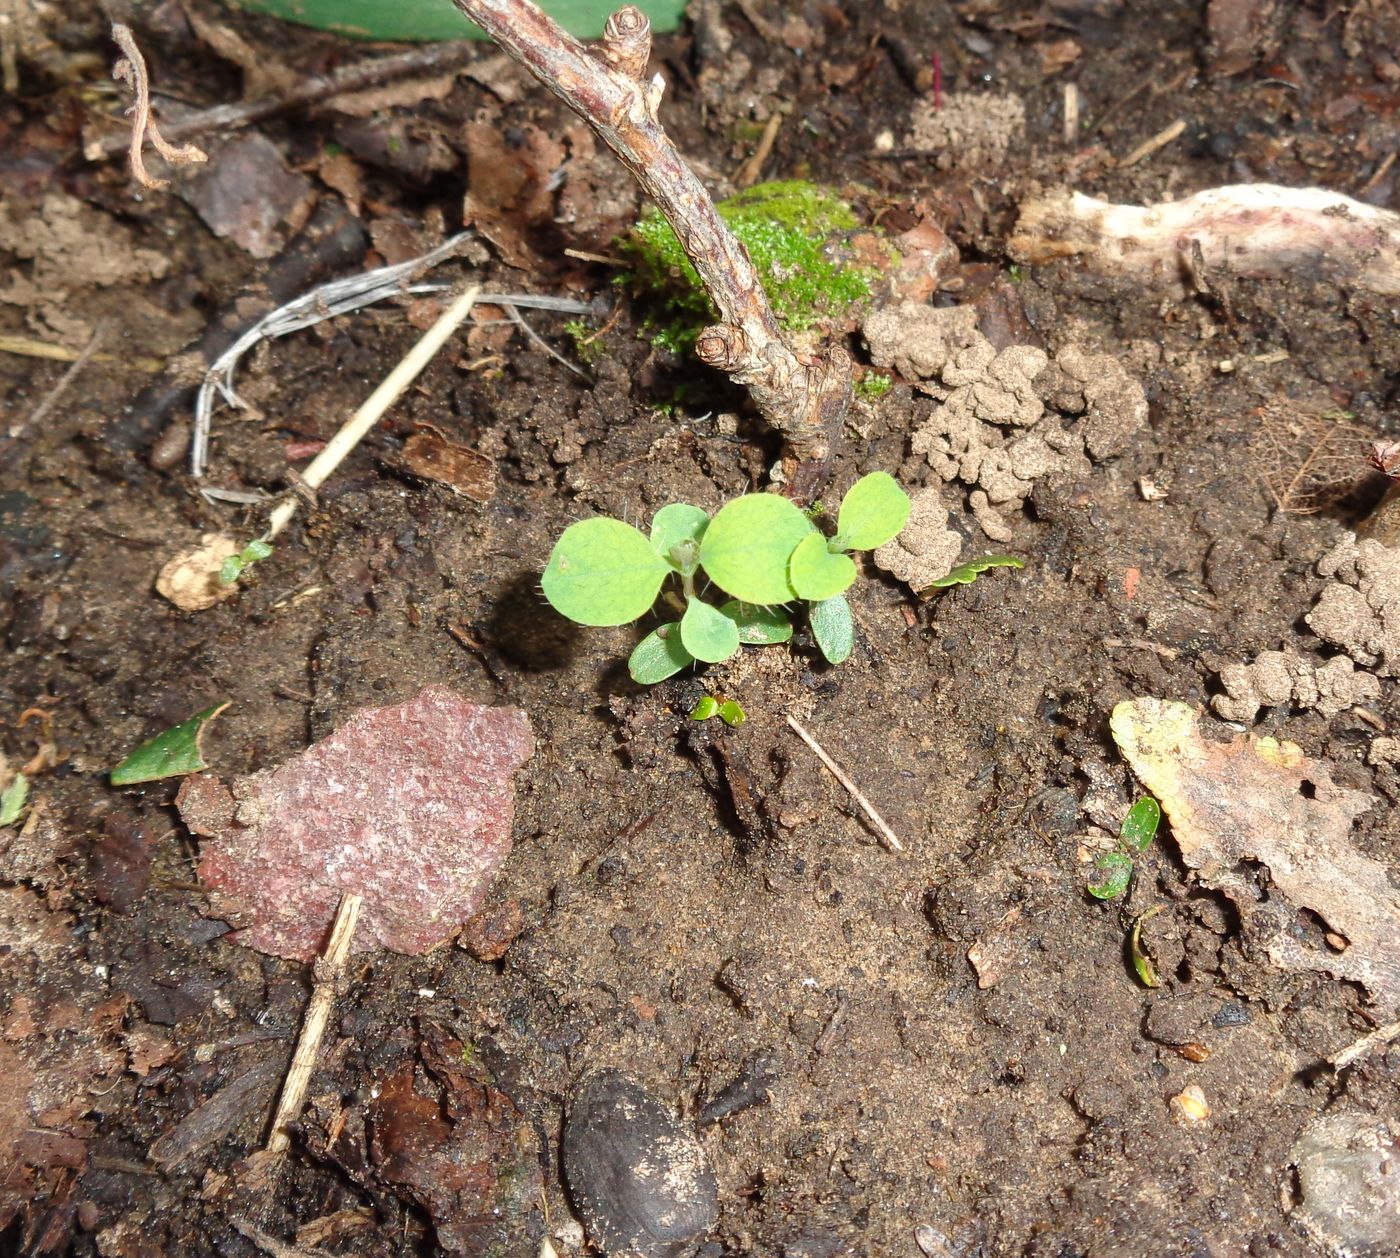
174 753
588 345
13 799
873 385
233 567
1142 963
1134 836
761 550
967 573
728 710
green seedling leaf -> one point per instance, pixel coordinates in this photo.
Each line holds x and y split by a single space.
1140 825
967 573
758 626
233 567
872 513
731 713
705 709
603 572
833 628
816 572
707 633
437 19
1142 963
658 656
674 526
173 754
1116 869
13 799
746 549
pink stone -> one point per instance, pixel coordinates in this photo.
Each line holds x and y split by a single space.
408 806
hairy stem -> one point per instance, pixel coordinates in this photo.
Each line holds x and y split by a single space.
804 397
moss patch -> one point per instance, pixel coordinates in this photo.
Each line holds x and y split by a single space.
792 230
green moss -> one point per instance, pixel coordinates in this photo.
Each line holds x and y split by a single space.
588 346
873 385
792 230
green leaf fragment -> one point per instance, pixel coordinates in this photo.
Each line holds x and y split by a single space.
707 633
816 572
834 628
748 544
1117 869
13 799
872 513
1140 825
603 572
658 656
674 526
174 753
731 713
705 709
967 573
1142 963
436 19
758 626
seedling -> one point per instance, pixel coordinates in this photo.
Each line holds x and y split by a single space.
234 566
14 797
967 573
761 550
728 710
1134 836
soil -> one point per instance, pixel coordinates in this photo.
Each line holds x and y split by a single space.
956 1055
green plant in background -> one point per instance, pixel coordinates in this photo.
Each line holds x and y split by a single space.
438 19
760 549
788 227
588 345
1116 867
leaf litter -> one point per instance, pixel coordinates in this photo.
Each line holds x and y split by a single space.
409 806
1262 800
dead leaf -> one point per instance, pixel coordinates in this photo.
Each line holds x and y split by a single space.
429 453
191 579
509 187
1259 799
409 806
247 195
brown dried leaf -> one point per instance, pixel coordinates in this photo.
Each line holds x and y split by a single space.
1259 799
409 806
1309 459
431 454
509 187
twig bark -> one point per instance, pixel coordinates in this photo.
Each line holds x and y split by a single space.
309 91
1245 229
329 968
131 70
804 397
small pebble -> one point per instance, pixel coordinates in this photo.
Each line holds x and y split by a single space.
637 1175
1189 1106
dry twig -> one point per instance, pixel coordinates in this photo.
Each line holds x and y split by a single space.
41 412
839 774
802 397
389 391
308 91
131 70
328 970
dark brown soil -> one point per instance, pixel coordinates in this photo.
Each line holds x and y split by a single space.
690 895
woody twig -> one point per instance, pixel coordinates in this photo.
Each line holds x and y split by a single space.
803 397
